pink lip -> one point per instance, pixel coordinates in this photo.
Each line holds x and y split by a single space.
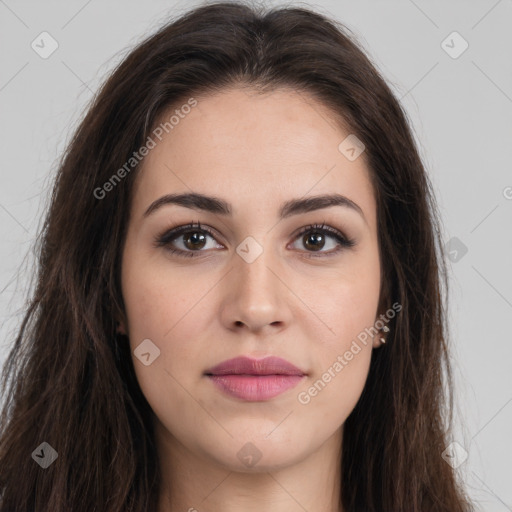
255 379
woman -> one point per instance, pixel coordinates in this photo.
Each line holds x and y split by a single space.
239 288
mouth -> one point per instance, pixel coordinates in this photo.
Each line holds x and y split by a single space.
255 380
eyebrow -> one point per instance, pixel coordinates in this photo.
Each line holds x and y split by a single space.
216 205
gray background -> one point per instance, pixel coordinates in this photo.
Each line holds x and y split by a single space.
460 109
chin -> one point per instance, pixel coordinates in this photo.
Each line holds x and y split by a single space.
255 454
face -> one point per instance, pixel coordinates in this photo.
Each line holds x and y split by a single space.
266 277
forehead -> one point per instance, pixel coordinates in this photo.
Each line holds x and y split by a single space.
254 148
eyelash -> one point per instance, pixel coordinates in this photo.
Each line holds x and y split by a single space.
168 236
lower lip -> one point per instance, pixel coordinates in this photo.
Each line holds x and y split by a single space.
255 388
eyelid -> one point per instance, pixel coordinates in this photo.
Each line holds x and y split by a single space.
171 233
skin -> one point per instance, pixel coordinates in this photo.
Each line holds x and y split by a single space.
255 152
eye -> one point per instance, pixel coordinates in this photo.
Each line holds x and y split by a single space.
314 237
193 238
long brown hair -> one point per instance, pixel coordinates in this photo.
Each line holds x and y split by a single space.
69 379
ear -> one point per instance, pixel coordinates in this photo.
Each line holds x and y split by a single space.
121 322
121 328
119 316
380 338
384 296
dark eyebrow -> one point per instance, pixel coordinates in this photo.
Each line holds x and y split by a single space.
219 206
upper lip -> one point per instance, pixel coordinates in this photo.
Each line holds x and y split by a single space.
248 366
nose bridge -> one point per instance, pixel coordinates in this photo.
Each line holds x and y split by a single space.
255 270
255 290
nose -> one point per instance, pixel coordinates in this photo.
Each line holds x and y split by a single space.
256 297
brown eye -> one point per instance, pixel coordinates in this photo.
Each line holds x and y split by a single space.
191 239
316 237
188 240
194 240
314 241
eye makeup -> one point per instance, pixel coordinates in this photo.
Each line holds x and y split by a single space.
168 238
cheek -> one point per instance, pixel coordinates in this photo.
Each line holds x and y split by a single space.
146 303
170 308
346 298
156 296
158 306
348 301
333 392
341 358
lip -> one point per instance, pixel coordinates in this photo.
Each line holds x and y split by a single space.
255 379
243 365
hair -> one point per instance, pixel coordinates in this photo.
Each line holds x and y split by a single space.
69 375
